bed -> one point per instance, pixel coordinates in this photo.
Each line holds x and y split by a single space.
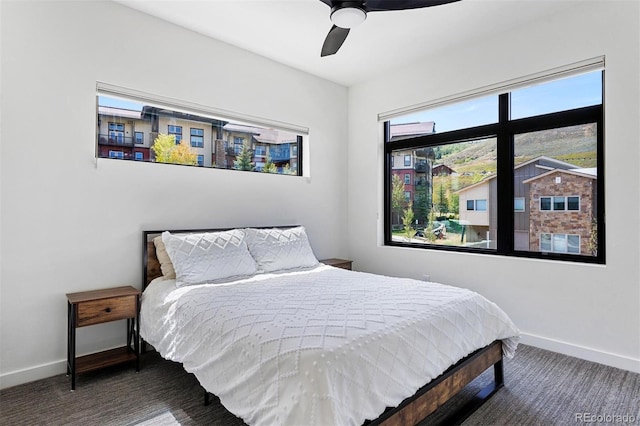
314 344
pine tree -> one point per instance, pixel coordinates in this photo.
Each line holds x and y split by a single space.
243 159
269 167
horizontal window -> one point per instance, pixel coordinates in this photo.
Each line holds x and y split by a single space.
156 131
560 203
560 243
527 183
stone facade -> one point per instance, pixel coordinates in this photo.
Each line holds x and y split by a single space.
556 184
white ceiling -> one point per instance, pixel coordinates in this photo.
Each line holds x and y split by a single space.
292 31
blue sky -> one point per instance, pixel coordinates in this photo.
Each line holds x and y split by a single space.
568 93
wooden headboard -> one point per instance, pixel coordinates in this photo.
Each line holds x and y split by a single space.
150 264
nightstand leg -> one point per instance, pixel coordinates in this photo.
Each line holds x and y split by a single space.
72 345
136 338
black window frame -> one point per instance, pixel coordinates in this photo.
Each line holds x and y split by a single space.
504 131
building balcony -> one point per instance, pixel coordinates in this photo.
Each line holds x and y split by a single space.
421 167
116 140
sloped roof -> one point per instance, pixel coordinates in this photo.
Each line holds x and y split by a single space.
568 172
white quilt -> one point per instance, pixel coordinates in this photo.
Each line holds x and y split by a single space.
325 346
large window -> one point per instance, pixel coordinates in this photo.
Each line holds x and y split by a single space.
148 130
522 176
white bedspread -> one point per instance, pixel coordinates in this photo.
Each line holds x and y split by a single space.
320 347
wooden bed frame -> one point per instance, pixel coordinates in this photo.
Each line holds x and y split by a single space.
427 399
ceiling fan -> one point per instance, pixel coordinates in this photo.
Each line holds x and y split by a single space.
347 14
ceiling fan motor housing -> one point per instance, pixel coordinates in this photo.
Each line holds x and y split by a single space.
348 14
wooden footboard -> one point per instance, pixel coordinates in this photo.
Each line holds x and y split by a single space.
429 398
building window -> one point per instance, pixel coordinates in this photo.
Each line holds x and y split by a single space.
260 151
542 143
560 243
407 179
197 138
407 196
164 124
238 143
560 203
116 133
139 138
176 131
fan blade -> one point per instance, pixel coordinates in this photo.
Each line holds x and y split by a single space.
380 5
334 40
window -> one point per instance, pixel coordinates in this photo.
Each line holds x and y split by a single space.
560 203
524 179
157 125
407 179
238 143
518 204
560 243
116 133
197 138
407 195
139 138
176 131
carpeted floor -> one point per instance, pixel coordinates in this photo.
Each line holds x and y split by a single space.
542 388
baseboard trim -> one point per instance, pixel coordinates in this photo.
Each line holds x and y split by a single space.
32 374
582 352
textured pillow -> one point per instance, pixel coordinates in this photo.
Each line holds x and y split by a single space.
209 256
163 257
280 249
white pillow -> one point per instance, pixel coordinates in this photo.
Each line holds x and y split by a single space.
209 256
280 249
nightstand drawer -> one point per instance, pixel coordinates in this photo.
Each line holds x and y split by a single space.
104 310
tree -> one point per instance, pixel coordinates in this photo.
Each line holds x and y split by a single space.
243 159
397 194
407 221
269 167
166 151
443 202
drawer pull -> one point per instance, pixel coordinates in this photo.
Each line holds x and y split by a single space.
107 310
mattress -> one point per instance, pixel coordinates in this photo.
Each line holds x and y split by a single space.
320 346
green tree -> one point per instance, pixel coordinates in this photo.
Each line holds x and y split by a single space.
243 159
166 151
269 167
443 202
397 194
407 221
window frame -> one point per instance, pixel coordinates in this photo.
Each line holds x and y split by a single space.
504 131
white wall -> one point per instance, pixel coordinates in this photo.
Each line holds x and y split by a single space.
584 310
69 226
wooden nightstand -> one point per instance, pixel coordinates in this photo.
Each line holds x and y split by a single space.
338 263
97 307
